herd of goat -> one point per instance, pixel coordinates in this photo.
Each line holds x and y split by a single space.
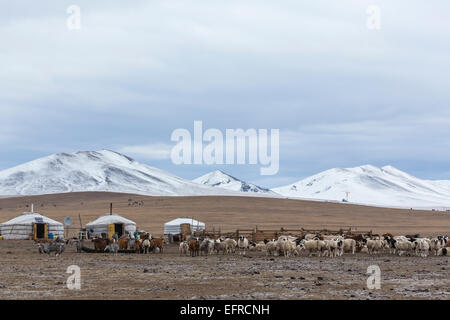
312 244
144 244
321 245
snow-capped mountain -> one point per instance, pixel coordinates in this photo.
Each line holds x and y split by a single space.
111 171
222 180
386 186
95 171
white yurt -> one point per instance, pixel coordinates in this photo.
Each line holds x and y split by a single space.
31 223
174 226
110 224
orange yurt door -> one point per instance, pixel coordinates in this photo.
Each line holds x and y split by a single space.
111 230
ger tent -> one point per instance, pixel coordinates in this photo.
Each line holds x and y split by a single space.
110 224
31 223
174 226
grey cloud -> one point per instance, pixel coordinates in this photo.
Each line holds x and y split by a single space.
138 70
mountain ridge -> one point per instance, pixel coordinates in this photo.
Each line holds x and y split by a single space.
223 180
110 171
368 184
102 170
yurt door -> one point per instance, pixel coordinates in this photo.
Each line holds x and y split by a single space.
40 231
111 230
118 228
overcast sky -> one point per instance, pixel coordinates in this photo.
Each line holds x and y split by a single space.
341 94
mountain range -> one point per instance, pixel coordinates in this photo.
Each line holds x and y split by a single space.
102 170
367 184
110 171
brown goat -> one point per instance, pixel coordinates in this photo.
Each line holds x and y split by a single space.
194 247
123 243
137 245
100 244
157 243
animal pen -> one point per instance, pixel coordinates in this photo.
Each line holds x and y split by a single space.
257 234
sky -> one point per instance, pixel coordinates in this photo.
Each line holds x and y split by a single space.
342 94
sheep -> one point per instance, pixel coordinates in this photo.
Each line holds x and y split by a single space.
242 244
340 246
271 247
403 246
292 246
364 249
220 246
401 238
444 252
374 246
231 245
282 246
285 246
313 246
421 246
210 246
349 245
290 238
309 236
390 243
207 246
332 247
146 245
436 244
298 250
260 246
183 248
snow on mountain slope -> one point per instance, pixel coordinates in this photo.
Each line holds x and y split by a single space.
95 171
222 180
444 184
386 186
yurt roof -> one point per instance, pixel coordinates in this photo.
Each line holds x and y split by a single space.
110 219
179 221
31 217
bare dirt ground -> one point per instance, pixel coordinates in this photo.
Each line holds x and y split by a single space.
228 213
26 274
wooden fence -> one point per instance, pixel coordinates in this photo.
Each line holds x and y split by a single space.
257 234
